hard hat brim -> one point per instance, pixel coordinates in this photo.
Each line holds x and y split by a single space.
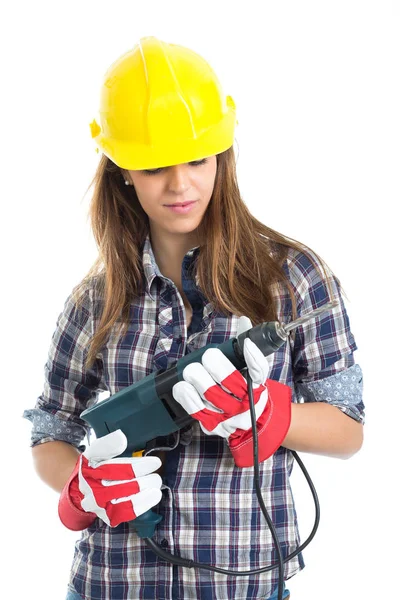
131 156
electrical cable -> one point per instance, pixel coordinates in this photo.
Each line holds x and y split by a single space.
257 485
184 562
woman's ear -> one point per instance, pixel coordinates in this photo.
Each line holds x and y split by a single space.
126 177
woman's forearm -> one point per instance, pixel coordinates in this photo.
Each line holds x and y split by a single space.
54 463
321 428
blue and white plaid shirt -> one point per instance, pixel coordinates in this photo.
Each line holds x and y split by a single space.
209 508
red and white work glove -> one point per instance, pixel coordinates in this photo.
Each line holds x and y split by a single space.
215 393
113 489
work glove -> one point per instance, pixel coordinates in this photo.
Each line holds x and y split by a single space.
214 393
113 489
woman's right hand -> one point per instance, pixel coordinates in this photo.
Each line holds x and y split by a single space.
113 489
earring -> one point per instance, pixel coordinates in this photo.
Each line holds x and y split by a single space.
127 182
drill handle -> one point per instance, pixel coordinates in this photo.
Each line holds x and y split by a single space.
146 524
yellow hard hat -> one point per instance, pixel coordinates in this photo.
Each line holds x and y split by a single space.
162 104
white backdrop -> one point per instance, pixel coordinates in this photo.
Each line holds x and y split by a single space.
316 85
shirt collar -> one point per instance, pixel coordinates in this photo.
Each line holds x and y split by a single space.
151 270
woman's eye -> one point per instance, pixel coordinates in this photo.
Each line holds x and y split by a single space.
152 171
196 163
193 163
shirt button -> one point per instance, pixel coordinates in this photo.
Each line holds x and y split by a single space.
164 544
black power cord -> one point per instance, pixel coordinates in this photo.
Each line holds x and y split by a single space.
184 562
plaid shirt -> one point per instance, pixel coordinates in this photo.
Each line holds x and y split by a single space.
209 508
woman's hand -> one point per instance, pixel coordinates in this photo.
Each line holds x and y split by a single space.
215 393
113 489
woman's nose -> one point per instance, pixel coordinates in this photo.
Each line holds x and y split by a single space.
179 180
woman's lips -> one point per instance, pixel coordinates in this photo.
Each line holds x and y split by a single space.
181 208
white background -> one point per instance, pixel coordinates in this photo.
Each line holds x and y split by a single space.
316 86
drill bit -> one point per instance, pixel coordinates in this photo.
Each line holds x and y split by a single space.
315 313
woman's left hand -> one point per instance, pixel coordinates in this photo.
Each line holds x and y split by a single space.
214 392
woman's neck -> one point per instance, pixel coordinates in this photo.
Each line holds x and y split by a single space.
169 254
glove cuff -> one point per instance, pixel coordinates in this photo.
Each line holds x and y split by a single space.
71 516
272 427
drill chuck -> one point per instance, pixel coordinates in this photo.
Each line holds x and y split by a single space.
268 337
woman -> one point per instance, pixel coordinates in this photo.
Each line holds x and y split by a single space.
181 262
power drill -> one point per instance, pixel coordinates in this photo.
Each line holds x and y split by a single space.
147 409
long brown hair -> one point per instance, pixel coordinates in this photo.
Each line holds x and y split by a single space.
238 267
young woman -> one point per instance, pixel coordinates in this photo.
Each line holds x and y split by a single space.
182 264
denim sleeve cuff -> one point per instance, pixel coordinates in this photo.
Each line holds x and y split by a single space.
47 427
343 389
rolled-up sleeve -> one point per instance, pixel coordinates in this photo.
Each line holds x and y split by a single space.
343 389
69 387
323 349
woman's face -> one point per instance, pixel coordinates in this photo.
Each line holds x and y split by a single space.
158 188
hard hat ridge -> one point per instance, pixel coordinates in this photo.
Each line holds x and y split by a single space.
162 104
